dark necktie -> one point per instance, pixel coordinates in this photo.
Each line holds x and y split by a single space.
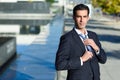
85 37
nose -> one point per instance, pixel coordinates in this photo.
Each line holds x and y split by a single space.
81 19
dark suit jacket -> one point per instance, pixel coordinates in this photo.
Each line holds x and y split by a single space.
71 48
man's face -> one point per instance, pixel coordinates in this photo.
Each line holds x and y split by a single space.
81 18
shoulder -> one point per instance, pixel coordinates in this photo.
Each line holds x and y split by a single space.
66 38
68 34
92 33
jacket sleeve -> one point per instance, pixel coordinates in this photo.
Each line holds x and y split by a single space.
102 55
64 61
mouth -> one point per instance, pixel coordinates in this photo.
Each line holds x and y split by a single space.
81 24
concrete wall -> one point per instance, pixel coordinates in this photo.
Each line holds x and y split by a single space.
7 49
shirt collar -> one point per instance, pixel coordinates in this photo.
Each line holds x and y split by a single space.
79 32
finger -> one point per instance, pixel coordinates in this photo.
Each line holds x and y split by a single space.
90 57
91 54
86 42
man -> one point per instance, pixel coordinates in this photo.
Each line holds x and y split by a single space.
79 50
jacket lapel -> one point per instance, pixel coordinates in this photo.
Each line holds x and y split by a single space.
78 40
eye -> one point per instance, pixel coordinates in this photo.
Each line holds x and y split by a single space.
84 16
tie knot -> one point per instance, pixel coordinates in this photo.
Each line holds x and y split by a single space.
83 36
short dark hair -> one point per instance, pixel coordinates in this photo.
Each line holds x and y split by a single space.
80 7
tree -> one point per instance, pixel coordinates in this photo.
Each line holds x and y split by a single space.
108 6
50 1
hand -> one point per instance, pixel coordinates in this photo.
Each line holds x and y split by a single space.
87 55
91 43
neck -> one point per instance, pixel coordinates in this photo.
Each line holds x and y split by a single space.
83 30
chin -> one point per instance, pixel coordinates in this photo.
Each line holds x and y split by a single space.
81 27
